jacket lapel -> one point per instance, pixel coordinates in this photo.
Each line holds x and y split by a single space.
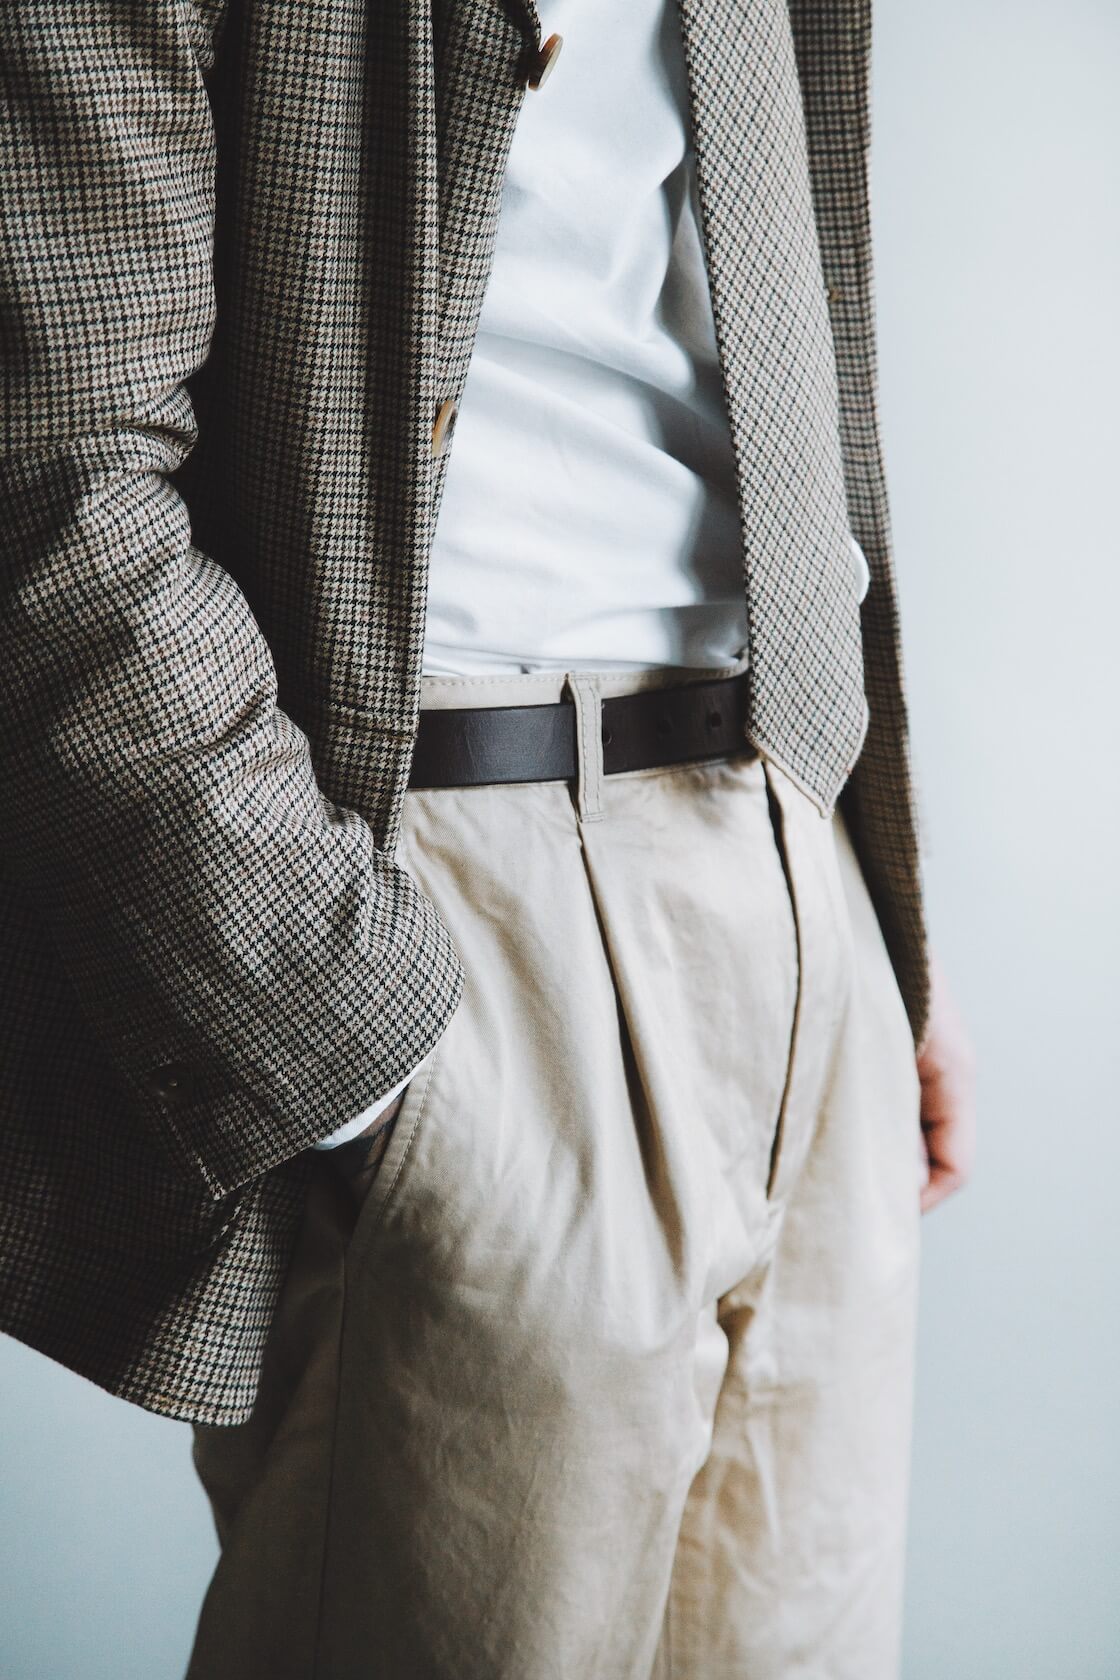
481 53
807 710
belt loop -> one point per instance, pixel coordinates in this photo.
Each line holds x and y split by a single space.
583 687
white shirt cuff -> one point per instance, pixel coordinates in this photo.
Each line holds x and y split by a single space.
365 1118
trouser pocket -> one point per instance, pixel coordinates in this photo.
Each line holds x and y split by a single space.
358 1161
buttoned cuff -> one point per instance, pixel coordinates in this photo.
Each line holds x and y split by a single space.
360 1121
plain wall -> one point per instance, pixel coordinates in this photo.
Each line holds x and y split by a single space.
998 257
996 164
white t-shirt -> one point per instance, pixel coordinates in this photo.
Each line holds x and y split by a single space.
589 516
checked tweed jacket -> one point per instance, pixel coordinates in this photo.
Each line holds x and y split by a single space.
243 250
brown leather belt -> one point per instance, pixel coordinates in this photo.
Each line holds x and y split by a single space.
466 745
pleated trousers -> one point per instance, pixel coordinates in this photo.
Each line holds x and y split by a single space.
609 1376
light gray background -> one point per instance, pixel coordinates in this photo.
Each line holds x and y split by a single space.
995 168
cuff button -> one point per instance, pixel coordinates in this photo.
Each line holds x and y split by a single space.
545 62
444 426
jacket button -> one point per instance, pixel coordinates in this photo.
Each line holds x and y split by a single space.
445 421
174 1084
546 58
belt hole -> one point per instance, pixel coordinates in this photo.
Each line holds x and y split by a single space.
714 720
664 725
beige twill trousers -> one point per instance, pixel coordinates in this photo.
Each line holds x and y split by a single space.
609 1377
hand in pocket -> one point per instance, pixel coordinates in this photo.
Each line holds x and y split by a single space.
359 1160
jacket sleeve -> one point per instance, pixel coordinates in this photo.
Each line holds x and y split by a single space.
255 968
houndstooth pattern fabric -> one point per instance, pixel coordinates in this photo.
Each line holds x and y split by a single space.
833 44
806 707
243 251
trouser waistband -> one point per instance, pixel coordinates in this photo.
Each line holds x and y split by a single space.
576 725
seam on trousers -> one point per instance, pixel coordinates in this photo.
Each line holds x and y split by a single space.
317 1642
583 686
777 823
663 1656
347 1269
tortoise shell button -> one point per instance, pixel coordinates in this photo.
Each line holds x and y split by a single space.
546 58
445 421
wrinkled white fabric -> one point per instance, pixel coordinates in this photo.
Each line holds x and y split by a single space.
589 517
